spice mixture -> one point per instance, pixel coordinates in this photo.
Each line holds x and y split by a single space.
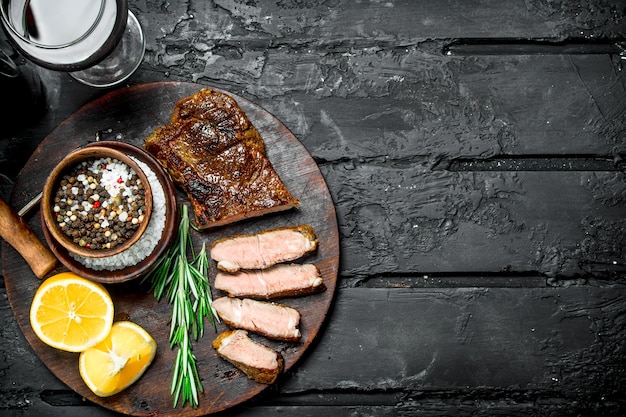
100 203
148 240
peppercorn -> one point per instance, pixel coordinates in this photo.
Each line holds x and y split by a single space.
95 214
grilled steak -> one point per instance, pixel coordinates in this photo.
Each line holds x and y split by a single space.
220 109
274 321
283 280
258 362
215 154
220 117
262 250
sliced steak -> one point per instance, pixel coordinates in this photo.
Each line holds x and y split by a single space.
265 249
282 280
214 153
257 361
274 321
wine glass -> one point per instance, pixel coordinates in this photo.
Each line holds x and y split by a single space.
98 42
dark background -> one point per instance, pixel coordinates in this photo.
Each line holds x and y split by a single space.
475 154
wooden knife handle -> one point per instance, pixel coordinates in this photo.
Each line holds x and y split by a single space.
18 234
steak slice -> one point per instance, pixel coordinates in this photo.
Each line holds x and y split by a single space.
214 153
283 280
274 321
257 361
264 249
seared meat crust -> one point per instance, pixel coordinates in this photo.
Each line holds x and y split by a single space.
215 154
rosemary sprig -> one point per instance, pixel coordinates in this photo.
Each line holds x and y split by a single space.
182 277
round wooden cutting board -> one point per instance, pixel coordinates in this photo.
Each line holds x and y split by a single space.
130 115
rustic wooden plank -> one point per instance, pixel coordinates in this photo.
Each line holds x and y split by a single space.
400 21
415 98
414 220
565 340
411 101
459 107
519 407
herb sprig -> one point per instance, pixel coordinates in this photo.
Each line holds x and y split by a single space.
182 277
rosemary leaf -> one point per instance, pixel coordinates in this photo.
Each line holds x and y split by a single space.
181 276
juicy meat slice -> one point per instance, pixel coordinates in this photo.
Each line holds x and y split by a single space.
282 280
262 250
257 361
274 321
215 154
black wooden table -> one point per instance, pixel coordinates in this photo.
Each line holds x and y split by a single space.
475 155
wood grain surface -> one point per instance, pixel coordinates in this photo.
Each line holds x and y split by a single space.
132 114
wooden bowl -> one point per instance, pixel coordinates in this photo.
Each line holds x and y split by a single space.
67 164
146 265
